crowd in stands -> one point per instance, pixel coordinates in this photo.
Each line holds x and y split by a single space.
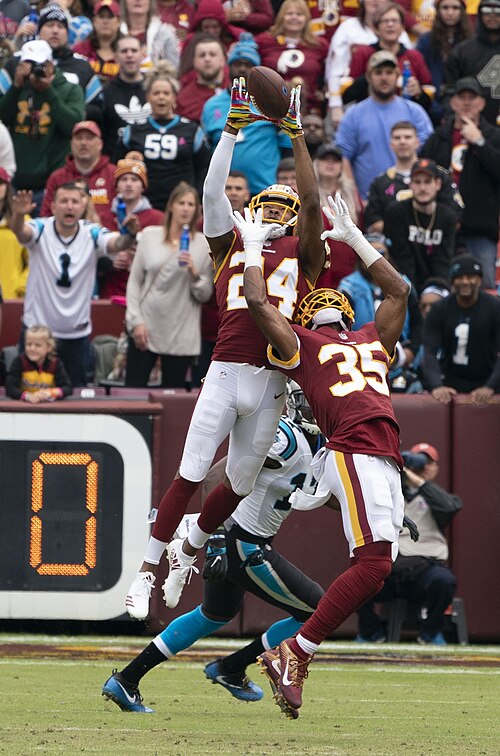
111 111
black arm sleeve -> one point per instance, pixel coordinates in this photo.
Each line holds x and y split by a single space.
62 380
432 340
13 379
443 505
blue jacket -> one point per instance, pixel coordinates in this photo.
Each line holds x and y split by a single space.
361 295
258 148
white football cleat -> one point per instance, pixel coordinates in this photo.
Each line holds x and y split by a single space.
137 601
181 567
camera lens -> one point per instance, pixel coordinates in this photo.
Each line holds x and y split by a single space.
38 70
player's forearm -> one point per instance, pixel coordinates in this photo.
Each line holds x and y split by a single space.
390 281
269 320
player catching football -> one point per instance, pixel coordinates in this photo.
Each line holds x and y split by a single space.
241 395
343 374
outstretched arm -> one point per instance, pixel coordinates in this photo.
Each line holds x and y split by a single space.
270 321
22 205
390 316
310 222
218 221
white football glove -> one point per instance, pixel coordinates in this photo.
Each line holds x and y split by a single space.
253 233
343 227
253 230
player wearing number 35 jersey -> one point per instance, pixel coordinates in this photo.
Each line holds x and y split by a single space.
344 377
241 396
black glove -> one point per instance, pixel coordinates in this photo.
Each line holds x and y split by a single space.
215 567
414 532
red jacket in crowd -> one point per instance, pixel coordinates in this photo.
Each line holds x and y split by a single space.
100 181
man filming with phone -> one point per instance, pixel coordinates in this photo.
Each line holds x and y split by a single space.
39 107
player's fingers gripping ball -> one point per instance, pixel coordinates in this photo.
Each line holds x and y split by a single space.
291 124
240 114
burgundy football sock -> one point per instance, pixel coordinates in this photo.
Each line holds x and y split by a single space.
361 581
217 507
172 508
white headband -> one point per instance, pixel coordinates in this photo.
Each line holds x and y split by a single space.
326 316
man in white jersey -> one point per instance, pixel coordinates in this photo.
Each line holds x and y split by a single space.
63 256
252 565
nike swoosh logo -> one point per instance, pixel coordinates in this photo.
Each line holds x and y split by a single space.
275 664
277 396
221 680
285 678
129 699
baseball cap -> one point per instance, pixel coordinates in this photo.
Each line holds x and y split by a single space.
424 448
423 165
111 5
468 84
465 265
52 12
324 150
36 51
381 58
87 126
4 176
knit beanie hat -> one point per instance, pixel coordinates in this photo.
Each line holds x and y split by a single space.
246 49
133 162
52 12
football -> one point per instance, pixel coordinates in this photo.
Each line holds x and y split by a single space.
268 91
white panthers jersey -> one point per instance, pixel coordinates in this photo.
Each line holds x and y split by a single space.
64 309
263 511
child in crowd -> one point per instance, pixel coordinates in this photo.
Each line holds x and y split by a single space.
38 375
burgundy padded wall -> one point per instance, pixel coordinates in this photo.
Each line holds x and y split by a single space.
475 554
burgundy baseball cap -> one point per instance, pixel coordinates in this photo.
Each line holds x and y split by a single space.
87 126
424 448
4 176
111 5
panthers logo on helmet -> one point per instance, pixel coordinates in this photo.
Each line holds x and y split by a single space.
281 196
322 299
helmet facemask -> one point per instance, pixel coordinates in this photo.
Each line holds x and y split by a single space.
323 307
282 197
299 410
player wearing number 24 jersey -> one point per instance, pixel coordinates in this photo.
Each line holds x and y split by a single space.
241 396
344 377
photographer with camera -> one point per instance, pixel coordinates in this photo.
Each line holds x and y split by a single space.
39 107
420 573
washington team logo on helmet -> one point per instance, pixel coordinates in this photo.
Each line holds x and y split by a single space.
322 299
277 195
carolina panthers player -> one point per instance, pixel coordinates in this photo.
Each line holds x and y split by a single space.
247 562
241 395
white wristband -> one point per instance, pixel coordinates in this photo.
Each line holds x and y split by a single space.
253 254
365 251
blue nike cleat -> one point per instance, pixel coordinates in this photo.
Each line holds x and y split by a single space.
237 683
124 695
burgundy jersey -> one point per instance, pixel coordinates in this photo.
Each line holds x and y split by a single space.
239 339
344 378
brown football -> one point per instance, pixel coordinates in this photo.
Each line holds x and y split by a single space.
268 91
